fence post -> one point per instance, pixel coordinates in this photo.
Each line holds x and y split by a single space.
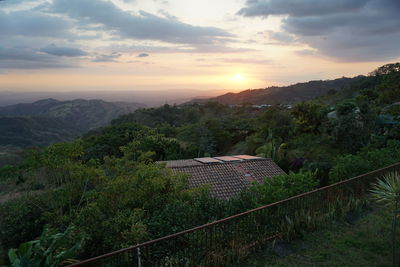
139 259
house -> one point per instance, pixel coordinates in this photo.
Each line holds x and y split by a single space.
262 106
227 175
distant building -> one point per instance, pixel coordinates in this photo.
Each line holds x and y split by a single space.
332 115
262 106
227 175
288 106
388 120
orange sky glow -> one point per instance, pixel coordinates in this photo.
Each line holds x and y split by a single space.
60 45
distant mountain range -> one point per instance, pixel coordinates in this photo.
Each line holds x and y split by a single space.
151 98
49 120
285 94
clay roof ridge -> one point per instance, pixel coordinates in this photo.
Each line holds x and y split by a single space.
221 163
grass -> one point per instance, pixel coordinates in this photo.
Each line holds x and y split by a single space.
361 240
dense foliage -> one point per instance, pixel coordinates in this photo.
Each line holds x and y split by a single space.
107 185
287 94
48 121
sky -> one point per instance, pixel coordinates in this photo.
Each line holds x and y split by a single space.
84 45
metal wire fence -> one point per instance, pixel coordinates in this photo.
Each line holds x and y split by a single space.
228 241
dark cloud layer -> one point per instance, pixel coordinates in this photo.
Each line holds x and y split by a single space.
23 31
68 22
144 26
265 8
107 58
27 58
63 51
33 24
351 30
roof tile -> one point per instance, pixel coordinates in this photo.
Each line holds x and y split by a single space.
229 178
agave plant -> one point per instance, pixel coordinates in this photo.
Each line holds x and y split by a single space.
387 192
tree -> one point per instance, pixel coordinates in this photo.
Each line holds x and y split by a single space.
107 141
346 108
308 116
279 121
389 86
353 126
163 148
386 69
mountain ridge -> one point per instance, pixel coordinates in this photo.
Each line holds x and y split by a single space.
284 94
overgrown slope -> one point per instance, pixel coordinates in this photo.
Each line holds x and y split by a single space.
47 121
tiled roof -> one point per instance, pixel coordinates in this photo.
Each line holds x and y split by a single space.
181 163
228 178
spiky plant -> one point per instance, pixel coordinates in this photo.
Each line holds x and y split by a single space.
387 192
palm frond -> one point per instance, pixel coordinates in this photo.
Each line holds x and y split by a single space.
387 190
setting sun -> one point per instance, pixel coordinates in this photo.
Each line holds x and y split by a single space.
238 77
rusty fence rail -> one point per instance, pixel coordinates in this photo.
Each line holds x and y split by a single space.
229 240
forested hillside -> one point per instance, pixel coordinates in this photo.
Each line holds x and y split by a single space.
47 121
83 114
27 131
286 94
104 191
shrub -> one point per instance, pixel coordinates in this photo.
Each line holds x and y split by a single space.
275 189
348 166
9 174
21 220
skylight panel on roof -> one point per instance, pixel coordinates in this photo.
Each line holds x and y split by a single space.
227 158
208 160
247 157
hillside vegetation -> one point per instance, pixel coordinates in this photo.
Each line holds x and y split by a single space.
286 94
107 186
48 121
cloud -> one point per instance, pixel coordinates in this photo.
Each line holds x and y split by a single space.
31 65
33 24
216 48
349 30
7 53
143 55
27 58
143 26
254 61
247 61
298 8
152 49
27 27
167 14
63 51
107 58
306 52
8 3
281 37
164 2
